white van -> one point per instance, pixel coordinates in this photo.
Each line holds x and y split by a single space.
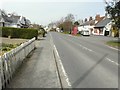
85 32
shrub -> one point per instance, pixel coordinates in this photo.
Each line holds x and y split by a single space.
24 33
8 47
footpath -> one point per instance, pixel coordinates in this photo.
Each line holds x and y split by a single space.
39 70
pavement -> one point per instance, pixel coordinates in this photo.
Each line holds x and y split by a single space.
39 69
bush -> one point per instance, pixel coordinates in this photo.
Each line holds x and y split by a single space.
8 47
24 33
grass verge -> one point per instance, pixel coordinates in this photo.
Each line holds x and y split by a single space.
115 44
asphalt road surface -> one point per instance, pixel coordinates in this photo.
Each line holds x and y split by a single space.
87 60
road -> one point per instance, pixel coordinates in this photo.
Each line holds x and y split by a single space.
88 61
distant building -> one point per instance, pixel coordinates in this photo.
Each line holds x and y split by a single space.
58 29
90 24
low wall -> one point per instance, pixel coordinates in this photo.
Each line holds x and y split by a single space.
11 60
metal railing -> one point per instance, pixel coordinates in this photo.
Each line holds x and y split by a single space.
11 60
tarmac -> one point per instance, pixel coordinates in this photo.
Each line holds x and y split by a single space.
39 69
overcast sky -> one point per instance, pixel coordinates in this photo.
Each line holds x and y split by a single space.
46 11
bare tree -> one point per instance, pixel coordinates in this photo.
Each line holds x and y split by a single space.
70 17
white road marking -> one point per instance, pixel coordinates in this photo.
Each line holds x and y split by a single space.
112 61
62 67
106 45
83 47
94 52
63 70
113 48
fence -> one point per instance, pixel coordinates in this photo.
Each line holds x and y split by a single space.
11 60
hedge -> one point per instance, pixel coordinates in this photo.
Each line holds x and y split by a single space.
24 33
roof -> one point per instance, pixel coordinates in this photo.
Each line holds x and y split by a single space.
28 22
103 23
15 18
92 22
4 17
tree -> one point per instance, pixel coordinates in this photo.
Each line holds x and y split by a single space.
70 17
64 23
76 23
52 24
67 23
80 21
113 9
59 22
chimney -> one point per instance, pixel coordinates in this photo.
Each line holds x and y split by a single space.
97 17
9 15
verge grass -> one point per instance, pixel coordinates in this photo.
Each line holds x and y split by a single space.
115 44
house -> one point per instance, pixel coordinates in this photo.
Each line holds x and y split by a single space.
15 21
11 20
87 25
27 23
4 19
19 22
103 27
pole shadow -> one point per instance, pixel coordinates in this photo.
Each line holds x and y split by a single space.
76 83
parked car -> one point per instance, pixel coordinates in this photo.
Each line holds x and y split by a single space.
85 32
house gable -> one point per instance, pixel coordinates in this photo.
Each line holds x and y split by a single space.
102 23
